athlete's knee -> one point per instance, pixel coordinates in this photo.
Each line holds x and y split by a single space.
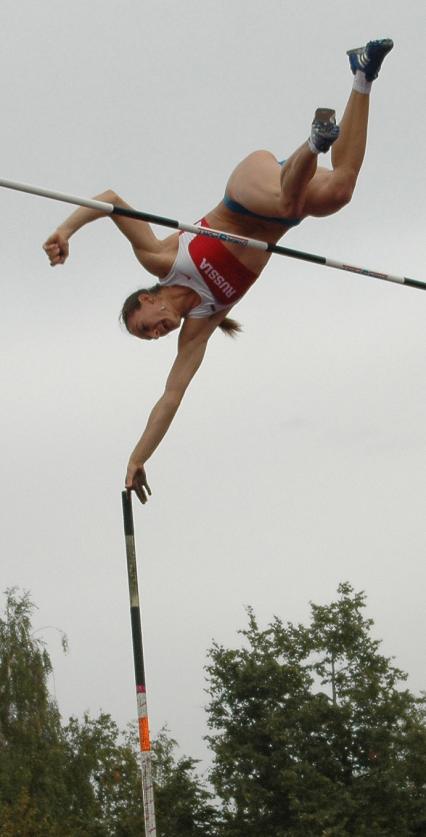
342 196
343 189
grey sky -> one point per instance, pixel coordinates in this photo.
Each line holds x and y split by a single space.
297 458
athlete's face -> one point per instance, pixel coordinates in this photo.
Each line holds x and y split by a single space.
155 318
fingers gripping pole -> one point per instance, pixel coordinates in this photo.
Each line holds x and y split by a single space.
110 208
144 738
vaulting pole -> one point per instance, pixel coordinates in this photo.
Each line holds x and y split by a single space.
111 209
135 616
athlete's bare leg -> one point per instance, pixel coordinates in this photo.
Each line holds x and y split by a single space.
300 187
295 177
329 190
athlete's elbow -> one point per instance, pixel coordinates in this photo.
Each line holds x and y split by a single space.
109 196
113 197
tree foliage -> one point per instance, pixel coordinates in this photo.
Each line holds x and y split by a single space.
82 778
183 802
312 733
32 784
312 730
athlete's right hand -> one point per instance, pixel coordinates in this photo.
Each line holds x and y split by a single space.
56 248
136 481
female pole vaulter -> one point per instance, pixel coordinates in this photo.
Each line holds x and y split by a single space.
200 278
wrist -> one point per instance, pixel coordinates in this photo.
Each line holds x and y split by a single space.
65 231
137 457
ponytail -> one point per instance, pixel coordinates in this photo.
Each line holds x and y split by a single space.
230 327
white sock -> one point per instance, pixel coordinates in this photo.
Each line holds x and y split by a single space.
312 147
361 85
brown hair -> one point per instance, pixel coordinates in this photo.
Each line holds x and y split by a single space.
133 303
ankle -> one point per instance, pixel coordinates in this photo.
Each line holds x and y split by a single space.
312 148
361 85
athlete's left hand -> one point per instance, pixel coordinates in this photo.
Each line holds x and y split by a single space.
136 481
56 248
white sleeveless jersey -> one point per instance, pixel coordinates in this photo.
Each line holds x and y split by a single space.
207 267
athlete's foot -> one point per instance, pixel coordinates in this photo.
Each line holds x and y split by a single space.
369 59
324 130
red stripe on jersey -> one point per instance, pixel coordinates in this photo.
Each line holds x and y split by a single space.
222 272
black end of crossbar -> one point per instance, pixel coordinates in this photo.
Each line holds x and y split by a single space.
414 283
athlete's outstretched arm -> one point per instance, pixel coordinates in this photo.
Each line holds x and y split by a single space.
147 247
193 341
183 370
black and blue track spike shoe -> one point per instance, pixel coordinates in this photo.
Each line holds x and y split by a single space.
324 130
369 59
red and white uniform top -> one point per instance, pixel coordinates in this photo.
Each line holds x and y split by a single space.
211 270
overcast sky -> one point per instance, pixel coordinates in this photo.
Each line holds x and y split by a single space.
297 459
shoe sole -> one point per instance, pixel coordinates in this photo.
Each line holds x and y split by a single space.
325 116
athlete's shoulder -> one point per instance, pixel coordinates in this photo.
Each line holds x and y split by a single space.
159 261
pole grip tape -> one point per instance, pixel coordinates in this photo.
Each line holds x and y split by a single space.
144 740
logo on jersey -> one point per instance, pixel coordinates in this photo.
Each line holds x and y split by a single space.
222 272
208 270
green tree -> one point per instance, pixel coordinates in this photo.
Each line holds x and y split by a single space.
32 788
81 779
311 732
102 775
77 780
184 806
